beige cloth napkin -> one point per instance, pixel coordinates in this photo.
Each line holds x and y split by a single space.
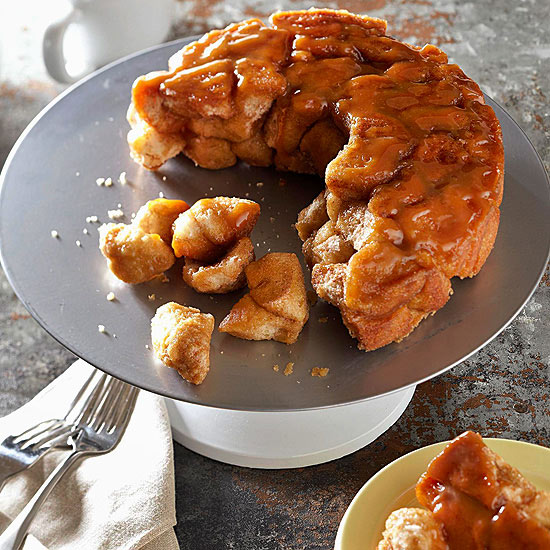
122 500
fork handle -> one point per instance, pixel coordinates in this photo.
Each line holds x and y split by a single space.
12 538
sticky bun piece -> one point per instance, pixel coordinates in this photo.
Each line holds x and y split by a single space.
133 255
276 307
158 215
475 501
225 275
181 340
211 226
412 529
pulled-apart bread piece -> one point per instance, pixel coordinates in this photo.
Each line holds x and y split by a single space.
412 529
211 226
476 501
158 215
141 251
225 275
276 307
133 255
181 340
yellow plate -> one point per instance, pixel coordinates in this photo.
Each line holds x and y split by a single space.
393 487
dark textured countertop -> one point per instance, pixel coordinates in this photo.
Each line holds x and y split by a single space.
501 391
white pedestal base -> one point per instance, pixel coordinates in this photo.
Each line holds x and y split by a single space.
284 439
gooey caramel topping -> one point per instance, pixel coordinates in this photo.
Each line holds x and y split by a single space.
461 488
423 150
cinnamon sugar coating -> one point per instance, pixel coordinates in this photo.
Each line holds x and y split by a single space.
181 340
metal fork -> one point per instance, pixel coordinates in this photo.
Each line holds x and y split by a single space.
100 427
19 452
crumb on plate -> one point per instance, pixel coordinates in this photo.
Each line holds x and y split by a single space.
320 372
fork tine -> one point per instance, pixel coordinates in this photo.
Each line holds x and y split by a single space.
35 431
125 412
79 395
48 437
90 405
107 404
121 404
45 430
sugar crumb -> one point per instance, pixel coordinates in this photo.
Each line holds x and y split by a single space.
115 214
320 372
85 231
108 182
100 181
78 243
122 178
111 296
101 328
260 184
289 369
54 234
161 194
276 368
163 178
151 297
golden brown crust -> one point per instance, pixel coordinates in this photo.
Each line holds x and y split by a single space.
133 255
158 215
276 307
226 275
211 226
181 340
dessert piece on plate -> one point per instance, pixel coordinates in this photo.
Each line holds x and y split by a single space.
133 255
211 226
224 275
276 308
181 340
478 501
158 215
141 251
412 529
411 156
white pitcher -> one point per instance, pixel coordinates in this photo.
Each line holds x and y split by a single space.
102 31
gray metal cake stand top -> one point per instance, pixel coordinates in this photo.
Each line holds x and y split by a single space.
49 183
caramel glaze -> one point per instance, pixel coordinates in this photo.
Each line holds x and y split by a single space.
421 147
461 489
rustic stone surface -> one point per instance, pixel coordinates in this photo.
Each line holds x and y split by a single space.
502 391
